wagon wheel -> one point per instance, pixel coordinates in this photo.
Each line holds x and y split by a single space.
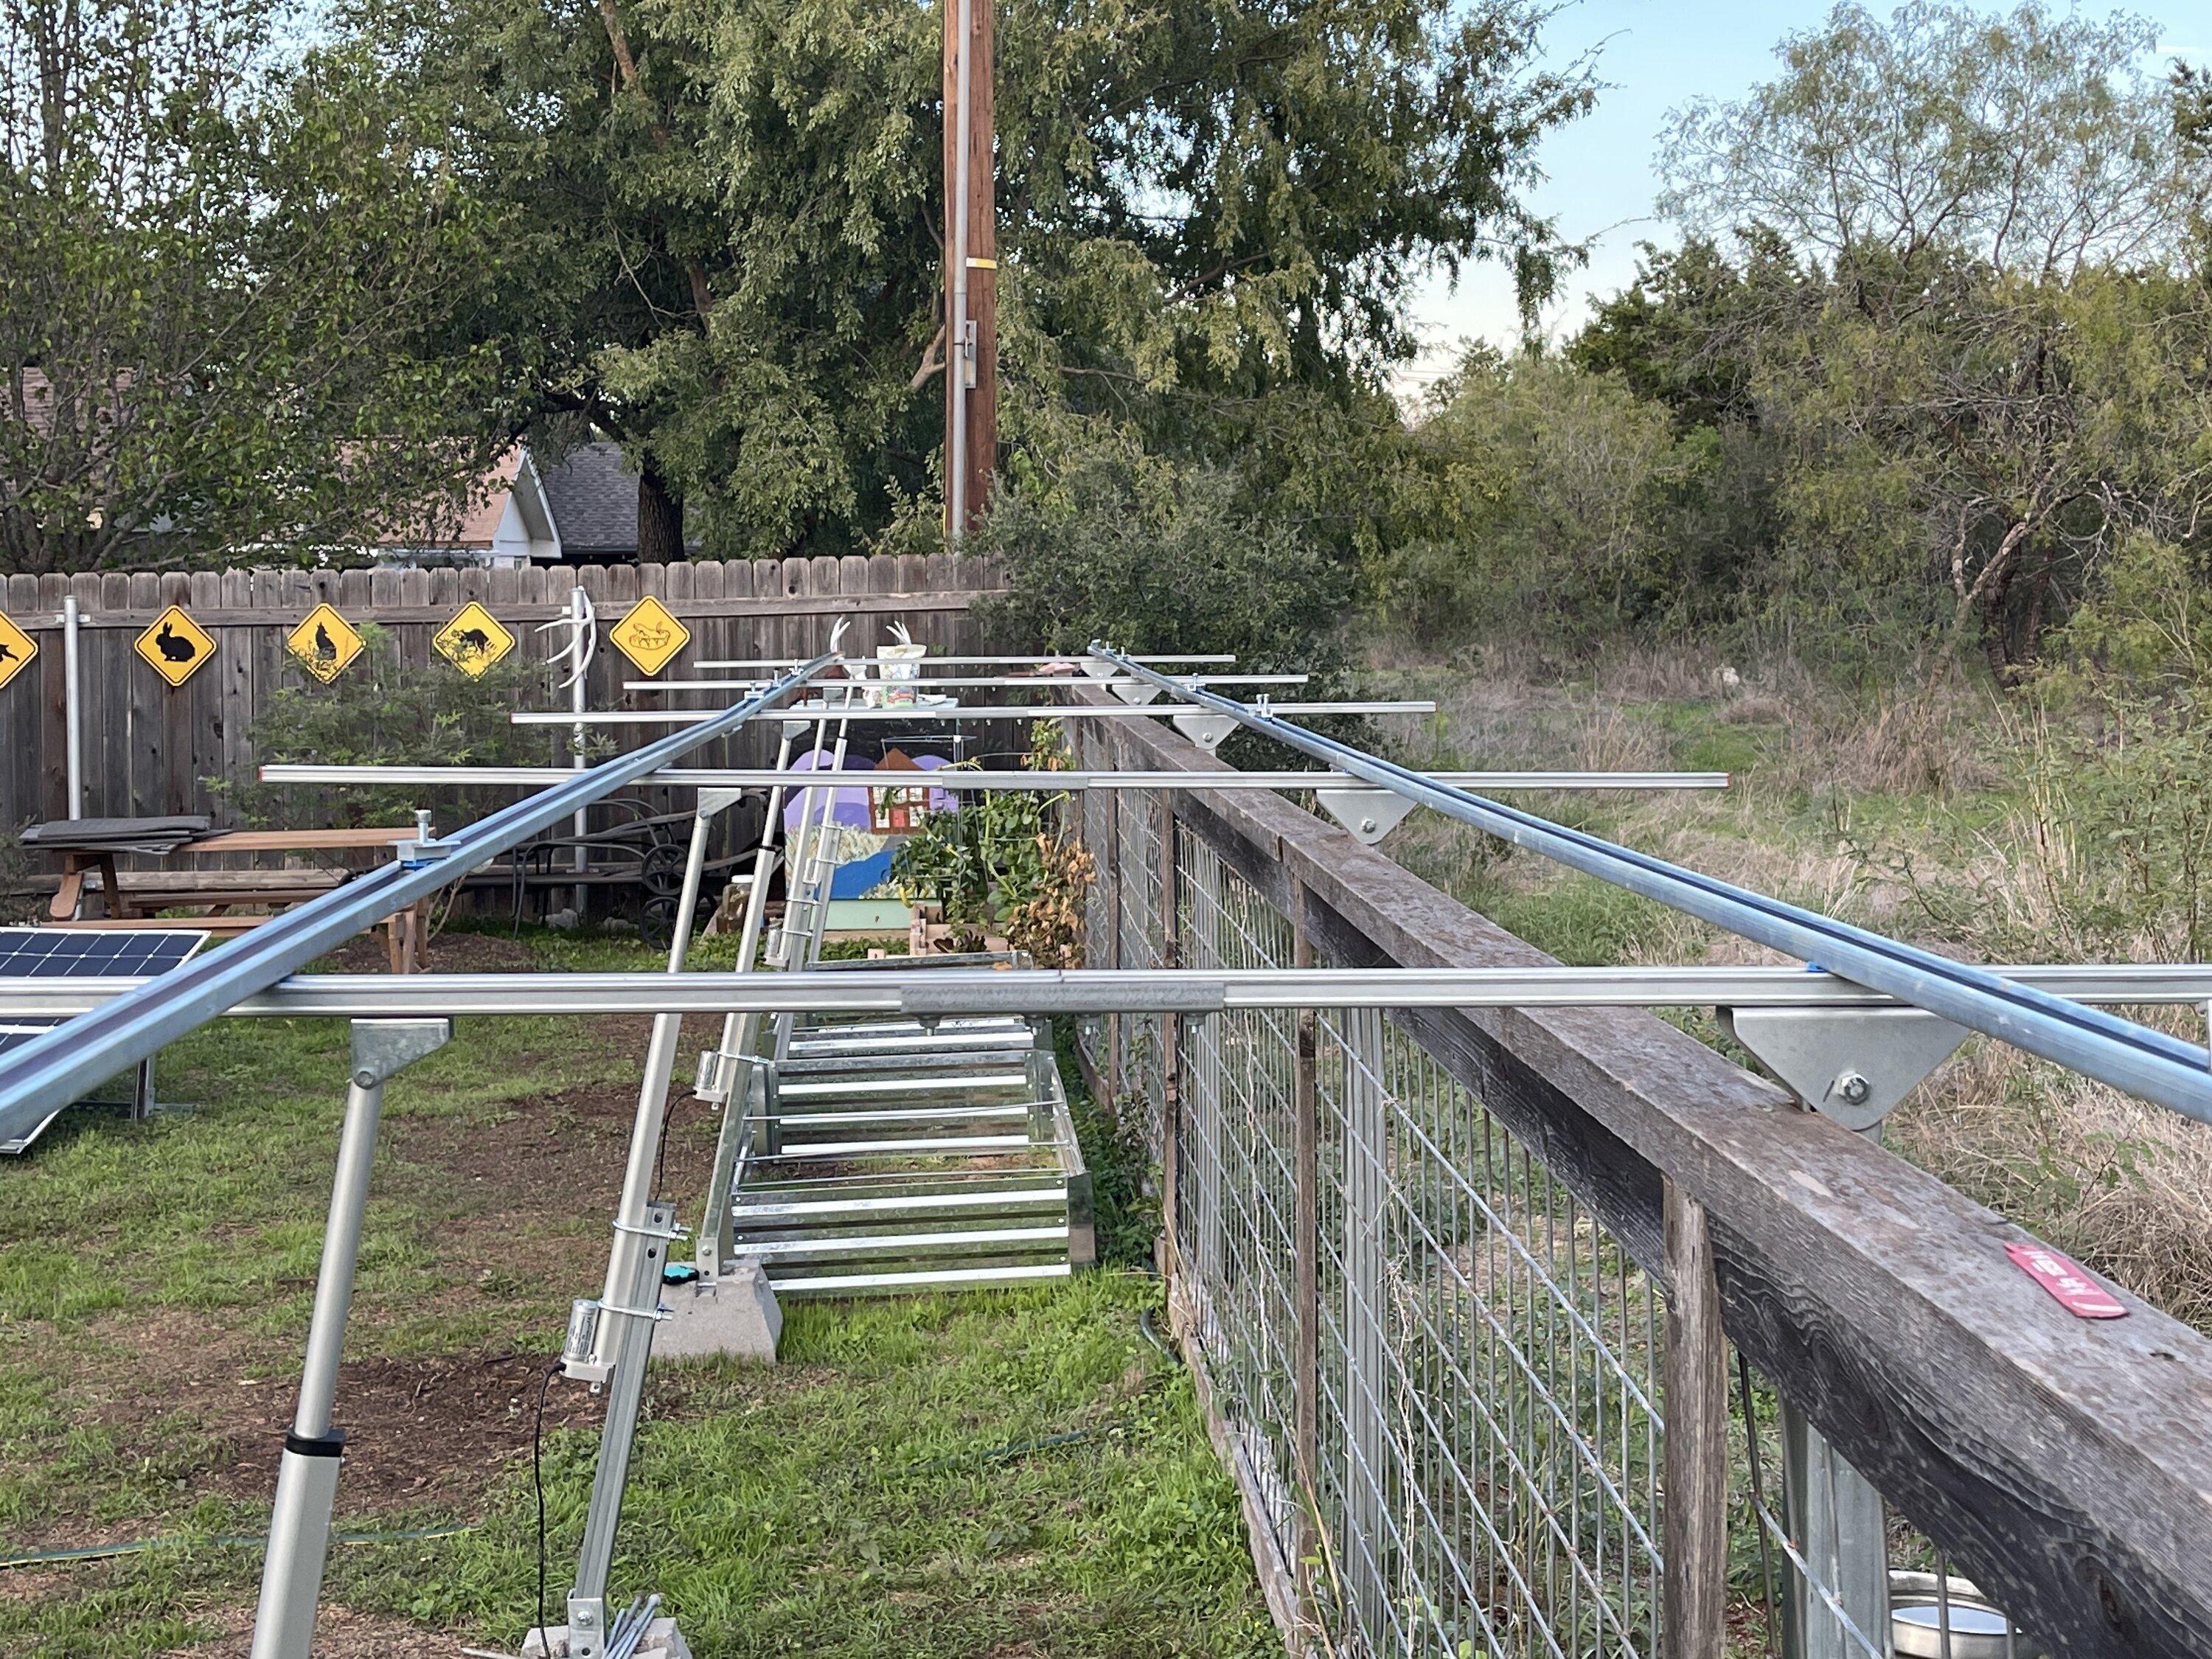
661 883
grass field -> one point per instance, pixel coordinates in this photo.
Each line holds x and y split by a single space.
1006 1474
1899 808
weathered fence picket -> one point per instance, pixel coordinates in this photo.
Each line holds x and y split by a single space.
150 750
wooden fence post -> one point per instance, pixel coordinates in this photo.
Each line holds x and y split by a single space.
1694 1533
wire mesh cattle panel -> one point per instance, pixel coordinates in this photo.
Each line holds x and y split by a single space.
1439 1372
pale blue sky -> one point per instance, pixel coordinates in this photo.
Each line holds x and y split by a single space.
1657 55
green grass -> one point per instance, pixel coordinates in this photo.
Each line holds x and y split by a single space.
882 1491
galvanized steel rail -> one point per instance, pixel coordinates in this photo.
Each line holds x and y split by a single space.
2146 1063
56 1068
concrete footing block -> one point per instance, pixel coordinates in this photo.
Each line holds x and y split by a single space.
736 1316
662 1640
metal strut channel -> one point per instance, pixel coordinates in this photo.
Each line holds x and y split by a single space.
62 1064
2143 1062
959 779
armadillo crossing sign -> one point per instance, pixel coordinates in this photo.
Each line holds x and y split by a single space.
472 639
176 647
16 650
324 643
650 635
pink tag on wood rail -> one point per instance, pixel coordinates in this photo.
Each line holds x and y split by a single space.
2066 1279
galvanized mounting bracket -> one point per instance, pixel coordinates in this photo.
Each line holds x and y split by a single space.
1369 814
1098 667
1850 1064
1137 693
1205 729
713 803
384 1048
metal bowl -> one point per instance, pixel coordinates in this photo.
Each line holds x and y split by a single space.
1979 1629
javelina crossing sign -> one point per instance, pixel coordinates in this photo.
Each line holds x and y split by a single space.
649 635
176 647
472 639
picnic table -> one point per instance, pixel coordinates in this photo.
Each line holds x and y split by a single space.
135 899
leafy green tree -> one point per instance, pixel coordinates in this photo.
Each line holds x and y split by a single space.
732 212
1553 487
1158 555
232 293
1962 313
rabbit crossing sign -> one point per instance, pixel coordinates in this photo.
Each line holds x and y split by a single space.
472 639
324 643
176 647
649 635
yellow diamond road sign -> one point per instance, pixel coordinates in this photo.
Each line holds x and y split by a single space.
324 643
472 641
176 647
650 635
16 650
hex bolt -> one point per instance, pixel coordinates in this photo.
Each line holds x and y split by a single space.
1854 1088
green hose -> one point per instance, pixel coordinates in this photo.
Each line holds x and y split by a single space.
136 1547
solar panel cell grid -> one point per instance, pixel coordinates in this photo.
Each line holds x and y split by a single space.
63 953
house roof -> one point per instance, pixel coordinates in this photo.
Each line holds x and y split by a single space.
594 495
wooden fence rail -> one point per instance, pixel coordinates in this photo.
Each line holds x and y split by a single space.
150 750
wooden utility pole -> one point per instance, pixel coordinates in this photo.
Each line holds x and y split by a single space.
971 267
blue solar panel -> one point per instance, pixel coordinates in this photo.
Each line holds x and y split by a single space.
70 953
51 953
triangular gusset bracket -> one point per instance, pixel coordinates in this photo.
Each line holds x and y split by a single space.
1368 814
1850 1064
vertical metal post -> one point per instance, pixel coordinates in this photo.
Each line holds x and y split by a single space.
1305 1224
578 700
733 1057
72 705
621 1340
1171 1025
1694 1536
307 1476
1835 1519
1364 1550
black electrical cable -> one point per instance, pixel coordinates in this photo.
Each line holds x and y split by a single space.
538 1481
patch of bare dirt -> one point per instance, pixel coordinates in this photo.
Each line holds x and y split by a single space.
448 953
567 1149
433 1428
340 1633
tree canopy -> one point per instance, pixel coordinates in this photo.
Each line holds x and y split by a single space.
239 288
729 216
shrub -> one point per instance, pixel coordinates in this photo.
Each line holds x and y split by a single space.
1157 556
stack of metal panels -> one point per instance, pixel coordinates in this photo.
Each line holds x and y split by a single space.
889 1155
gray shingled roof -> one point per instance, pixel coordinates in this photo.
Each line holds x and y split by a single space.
594 498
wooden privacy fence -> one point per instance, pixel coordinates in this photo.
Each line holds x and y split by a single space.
150 750
1458 1287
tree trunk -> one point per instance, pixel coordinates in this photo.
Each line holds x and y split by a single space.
659 517
1997 624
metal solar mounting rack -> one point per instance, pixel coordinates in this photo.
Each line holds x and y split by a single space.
887 1154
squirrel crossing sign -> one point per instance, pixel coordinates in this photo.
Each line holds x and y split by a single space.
17 649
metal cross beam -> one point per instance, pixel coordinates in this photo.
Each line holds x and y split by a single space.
930 712
965 780
1085 991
